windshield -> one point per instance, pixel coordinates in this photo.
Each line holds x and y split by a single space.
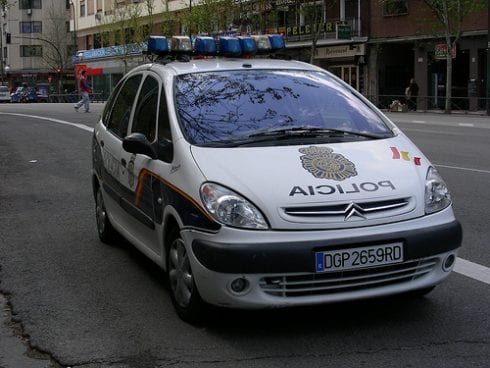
264 106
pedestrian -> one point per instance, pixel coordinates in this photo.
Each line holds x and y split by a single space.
411 93
84 89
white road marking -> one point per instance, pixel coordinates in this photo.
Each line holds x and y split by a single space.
419 121
472 270
462 266
76 125
464 168
466 124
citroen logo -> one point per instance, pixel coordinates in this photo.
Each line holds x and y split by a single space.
352 210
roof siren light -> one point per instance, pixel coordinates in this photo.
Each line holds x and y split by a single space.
181 44
277 42
248 45
158 45
263 43
205 46
229 46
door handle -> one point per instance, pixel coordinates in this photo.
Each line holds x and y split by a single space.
123 162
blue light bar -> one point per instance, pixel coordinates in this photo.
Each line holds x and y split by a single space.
158 45
277 42
204 45
248 45
229 46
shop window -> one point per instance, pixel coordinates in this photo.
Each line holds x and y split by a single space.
395 7
31 51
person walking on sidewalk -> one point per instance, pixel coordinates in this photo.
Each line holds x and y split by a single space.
84 91
411 93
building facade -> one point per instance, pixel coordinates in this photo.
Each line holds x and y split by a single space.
407 42
37 44
375 47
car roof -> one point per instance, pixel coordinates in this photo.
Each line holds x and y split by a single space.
223 64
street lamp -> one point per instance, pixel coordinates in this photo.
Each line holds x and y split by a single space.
75 41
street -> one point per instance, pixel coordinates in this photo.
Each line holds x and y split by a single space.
68 300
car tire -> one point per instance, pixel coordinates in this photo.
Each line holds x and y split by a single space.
185 297
107 233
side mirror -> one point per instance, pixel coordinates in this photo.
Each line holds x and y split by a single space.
137 143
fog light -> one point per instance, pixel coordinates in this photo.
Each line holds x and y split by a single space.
448 263
239 285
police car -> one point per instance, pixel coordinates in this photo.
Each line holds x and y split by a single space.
263 182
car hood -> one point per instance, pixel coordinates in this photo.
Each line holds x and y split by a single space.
312 186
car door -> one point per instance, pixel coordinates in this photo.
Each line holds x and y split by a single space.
145 175
114 175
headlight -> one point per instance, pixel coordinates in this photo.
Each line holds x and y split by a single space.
230 208
437 196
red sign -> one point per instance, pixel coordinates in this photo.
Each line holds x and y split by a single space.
440 51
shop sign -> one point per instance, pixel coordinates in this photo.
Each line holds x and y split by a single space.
309 28
129 49
344 31
440 51
341 51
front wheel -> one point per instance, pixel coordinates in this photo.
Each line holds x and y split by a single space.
185 296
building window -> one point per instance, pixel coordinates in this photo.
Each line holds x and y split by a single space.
395 7
30 4
29 51
90 7
31 27
82 8
67 4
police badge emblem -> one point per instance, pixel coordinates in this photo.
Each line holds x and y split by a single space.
323 163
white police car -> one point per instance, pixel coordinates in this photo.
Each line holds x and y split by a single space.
259 182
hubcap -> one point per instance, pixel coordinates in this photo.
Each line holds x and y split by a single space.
180 273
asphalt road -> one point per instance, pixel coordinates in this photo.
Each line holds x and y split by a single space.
78 303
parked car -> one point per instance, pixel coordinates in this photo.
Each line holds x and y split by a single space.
259 183
24 94
4 94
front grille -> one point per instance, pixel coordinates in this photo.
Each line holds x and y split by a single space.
335 210
336 282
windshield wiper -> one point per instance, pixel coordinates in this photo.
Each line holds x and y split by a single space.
286 133
314 132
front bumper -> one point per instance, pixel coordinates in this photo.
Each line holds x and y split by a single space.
279 267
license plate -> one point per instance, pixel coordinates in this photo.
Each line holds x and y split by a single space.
356 258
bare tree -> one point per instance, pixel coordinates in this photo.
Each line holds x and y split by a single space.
56 42
208 16
123 31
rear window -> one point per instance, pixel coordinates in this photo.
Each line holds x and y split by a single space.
224 106
4 89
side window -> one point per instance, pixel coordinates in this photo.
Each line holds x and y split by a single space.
121 111
145 117
163 122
